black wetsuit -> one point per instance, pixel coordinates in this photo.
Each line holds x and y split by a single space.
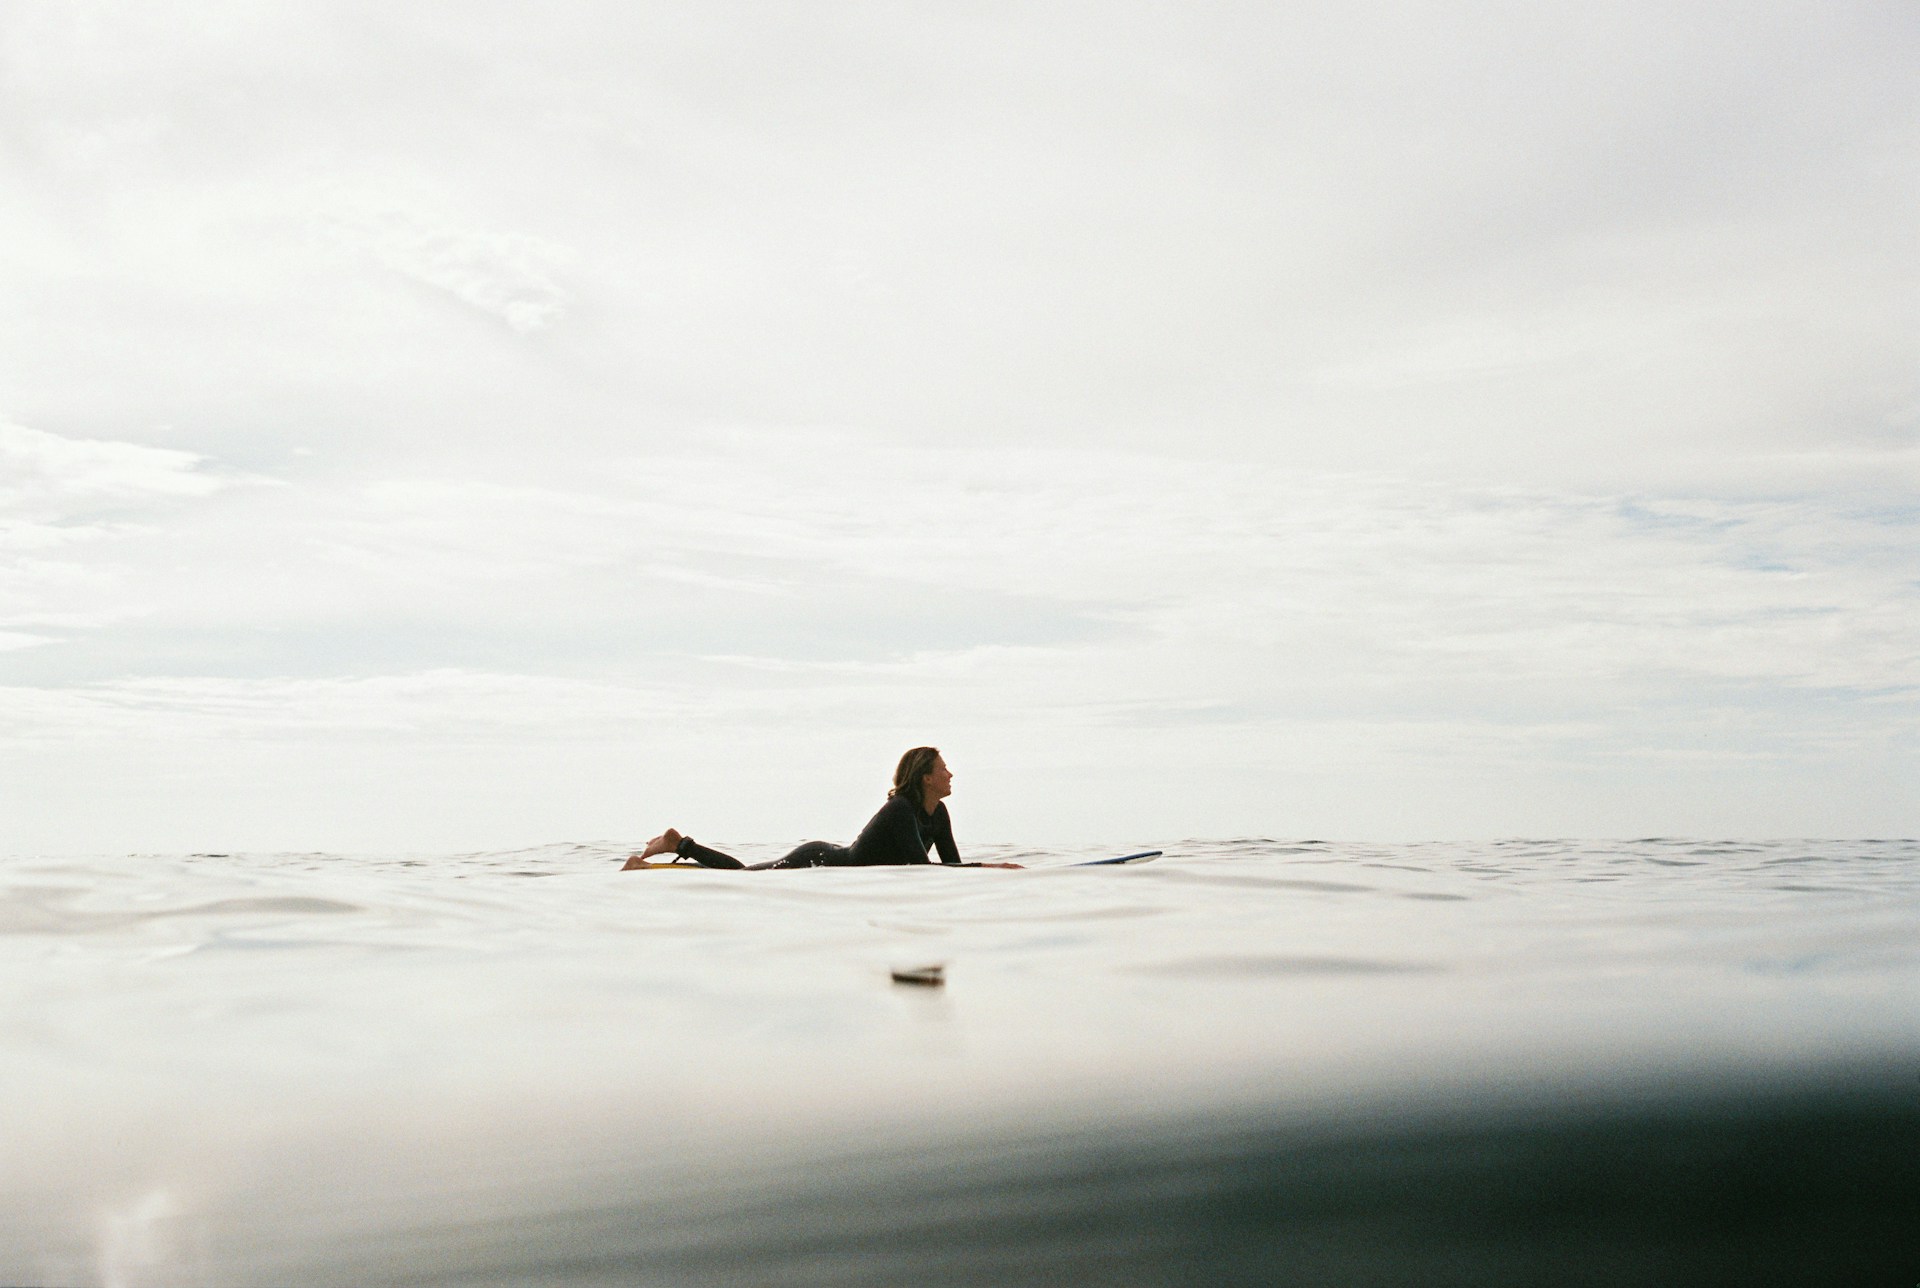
899 833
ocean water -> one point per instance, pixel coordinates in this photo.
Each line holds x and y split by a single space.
1251 1062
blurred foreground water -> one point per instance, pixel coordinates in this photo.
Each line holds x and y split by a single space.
1654 1062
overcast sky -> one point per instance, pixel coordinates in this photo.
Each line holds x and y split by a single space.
466 425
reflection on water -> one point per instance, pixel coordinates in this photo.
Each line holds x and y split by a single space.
1814 1182
1250 1062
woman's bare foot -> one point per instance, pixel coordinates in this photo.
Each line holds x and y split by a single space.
665 843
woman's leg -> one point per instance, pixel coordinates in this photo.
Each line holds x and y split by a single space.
688 848
810 854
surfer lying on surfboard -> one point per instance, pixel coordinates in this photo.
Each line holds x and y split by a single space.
912 822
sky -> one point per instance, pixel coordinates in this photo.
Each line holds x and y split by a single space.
466 426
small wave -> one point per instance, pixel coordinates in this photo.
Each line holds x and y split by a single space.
1254 965
1228 879
296 904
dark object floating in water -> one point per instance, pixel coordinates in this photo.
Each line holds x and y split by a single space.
926 976
1141 857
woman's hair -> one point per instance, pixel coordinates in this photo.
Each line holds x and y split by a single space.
909 776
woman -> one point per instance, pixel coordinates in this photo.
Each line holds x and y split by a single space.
913 821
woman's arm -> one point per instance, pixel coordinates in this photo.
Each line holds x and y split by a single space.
943 842
943 834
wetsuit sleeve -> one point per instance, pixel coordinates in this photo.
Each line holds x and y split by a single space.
943 835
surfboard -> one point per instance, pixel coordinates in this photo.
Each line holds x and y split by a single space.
1141 857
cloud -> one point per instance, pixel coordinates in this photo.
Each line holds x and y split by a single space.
440 704
786 579
48 475
61 500
511 276
1344 243
1221 386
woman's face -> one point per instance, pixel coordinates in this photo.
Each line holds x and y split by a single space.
938 784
